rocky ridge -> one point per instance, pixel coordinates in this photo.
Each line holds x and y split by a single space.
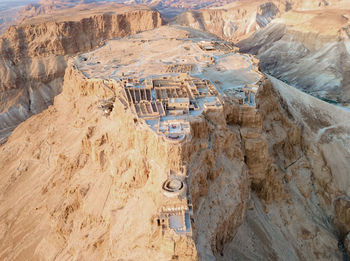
102 187
34 55
307 49
105 167
305 36
307 207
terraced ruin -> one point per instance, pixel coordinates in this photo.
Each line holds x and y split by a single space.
168 83
172 85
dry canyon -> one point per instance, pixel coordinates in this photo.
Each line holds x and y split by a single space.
127 134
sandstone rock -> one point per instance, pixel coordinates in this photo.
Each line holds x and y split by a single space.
262 179
92 182
34 54
303 51
307 194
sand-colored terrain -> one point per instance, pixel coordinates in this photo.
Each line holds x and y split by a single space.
168 143
306 45
261 178
80 12
315 181
309 50
98 197
34 55
238 20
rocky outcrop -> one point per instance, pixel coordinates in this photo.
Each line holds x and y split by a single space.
88 210
311 205
231 22
307 46
82 175
310 56
238 20
33 57
79 199
266 182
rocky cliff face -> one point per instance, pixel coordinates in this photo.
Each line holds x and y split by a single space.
307 46
233 21
97 196
306 53
238 20
91 188
34 56
82 175
79 199
266 182
305 216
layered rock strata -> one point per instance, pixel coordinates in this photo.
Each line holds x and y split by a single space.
34 55
238 20
308 50
307 216
79 200
233 21
307 45
99 184
254 177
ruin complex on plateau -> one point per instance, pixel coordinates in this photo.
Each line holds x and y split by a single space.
129 132
165 94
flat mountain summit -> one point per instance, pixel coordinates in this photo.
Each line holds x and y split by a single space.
128 132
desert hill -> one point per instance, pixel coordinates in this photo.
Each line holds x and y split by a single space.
309 50
91 169
236 21
81 204
315 181
126 139
168 8
34 54
303 43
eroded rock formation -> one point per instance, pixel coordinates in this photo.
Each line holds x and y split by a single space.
309 202
34 56
232 21
306 46
236 21
267 172
306 53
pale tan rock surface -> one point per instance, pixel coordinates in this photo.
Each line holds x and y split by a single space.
264 181
34 54
306 45
236 21
308 140
308 49
90 185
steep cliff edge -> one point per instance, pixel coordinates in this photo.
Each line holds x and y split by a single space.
238 20
306 45
81 183
249 172
233 21
308 140
79 199
92 183
34 55
309 50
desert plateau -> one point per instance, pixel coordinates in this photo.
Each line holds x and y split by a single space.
175 130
